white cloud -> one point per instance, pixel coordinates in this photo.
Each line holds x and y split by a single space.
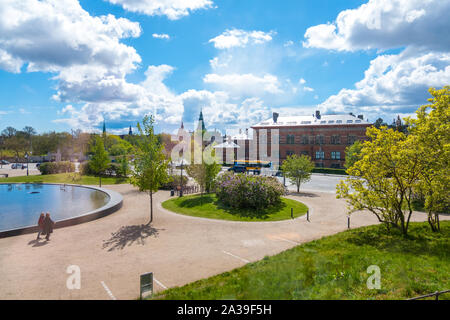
245 84
161 36
240 38
52 35
173 9
384 24
394 84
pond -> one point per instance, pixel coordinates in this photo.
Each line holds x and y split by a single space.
21 204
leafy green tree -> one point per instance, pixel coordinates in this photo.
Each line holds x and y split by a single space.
151 167
382 181
100 160
379 123
297 169
430 133
353 154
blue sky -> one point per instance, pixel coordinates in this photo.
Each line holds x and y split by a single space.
71 64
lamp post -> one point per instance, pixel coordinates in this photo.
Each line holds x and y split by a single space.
26 156
181 178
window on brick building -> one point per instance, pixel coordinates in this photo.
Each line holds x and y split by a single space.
320 139
320 155
290 139
289 153
335 155
351 139
336 139
305 139
305 153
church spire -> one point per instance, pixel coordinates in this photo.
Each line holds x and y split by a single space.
130 132
202 122
104 127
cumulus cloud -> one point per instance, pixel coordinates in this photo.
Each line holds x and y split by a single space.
394 83
51 35
173 9
240 38
385 24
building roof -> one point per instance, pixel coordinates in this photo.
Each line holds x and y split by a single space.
334 119
227 145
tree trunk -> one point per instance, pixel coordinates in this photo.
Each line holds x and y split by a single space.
100 183
151 207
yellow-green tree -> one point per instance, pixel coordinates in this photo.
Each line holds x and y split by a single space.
297 169
384 178
100 159
150 166
430 133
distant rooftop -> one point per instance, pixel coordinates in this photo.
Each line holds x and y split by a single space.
316 120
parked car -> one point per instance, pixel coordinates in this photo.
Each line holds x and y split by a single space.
5 162
18 166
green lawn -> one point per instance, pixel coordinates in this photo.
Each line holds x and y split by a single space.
335 267
64 178
208 207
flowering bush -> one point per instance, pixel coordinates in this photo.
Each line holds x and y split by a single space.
243 191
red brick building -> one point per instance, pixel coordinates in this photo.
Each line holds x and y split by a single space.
321 137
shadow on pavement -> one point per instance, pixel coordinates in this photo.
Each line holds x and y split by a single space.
303 194
128 235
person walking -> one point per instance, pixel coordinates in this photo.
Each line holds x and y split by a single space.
40 225
48 226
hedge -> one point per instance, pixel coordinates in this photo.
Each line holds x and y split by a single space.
330 171
56 167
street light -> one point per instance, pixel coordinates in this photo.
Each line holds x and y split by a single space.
26 156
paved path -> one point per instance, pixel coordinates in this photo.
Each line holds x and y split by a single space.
113 251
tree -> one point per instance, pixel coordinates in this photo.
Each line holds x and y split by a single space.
379 123
383 179
297 169
352 154
100 160
430 133
150 170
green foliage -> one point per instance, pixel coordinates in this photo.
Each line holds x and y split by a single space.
248 192
56 167
335 268
150 166
297 169
208 206
404 168
330 171
100 160
430 135
204 174
353 153
385 178
174 182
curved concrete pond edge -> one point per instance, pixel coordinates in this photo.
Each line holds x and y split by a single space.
114 204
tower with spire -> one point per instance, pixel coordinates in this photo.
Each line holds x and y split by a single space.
201 123
130 132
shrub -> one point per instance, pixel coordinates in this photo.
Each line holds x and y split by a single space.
85 169
174 182
56 167
330 171
248 192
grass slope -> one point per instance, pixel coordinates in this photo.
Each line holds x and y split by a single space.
335 267
207 207
63 178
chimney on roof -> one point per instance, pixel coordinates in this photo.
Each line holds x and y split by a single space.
275 117
318 114
360 116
